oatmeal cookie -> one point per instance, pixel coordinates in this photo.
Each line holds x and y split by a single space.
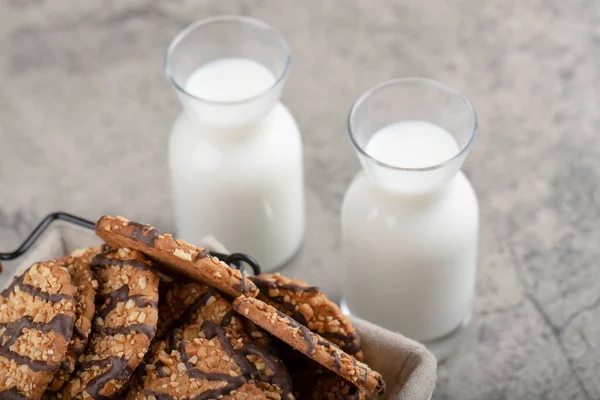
311 308
311 344
203 361
193 304
123 327
181 257
85 286
37 313
187 303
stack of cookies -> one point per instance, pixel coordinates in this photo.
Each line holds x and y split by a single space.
149 317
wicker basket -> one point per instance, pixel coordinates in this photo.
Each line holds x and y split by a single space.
408 368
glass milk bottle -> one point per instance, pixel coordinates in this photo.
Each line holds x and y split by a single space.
410 217
235 152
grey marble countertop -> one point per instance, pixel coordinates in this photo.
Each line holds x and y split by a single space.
85 112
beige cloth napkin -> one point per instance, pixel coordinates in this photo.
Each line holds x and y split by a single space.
408 369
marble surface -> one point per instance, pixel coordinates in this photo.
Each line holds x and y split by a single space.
85 112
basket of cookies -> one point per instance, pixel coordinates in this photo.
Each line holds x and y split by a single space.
123 310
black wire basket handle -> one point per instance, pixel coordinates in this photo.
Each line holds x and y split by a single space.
39 230
237 260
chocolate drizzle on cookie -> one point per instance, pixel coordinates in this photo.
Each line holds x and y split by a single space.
102 260
147 235
144 233
61 324
118 369
227 318
350 343
78 332
315 346
109 301
210 330
337 363
12 394
306 333
183 258
243 284
115 364
204 253
32 323
188 314
265 284
120 295
233 383
334 351
280 377
18 282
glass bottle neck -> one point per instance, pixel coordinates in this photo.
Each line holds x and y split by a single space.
397 198
409 182
223 134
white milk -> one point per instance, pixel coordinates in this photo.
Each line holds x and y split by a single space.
412 144
411 252
230 79
236 163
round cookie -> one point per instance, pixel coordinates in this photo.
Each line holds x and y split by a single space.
311 308
123 327
85 284
37 313
186 303
203 361
193 303
311 344
177 255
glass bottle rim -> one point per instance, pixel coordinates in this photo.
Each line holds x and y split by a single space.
370 92
250 21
